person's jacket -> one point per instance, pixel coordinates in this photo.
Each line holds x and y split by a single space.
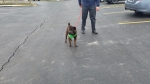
89 2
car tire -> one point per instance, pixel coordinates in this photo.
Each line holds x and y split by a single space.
114 1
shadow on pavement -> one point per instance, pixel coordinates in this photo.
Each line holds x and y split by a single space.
134 15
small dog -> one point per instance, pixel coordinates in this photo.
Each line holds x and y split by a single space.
71 32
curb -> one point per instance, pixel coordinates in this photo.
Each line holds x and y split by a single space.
18 5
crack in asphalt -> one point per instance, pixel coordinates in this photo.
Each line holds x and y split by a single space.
20 45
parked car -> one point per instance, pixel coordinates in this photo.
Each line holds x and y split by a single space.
139 6
113 1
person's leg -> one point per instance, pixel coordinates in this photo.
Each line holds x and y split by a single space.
92 17
84 17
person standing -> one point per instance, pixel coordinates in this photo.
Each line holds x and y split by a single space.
90 6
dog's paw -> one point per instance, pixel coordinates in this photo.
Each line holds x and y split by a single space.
70 45
65 41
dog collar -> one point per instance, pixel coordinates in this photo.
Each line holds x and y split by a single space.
72 36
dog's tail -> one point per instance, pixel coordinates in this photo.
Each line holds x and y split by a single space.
69 23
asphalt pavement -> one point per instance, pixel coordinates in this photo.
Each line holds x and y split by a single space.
33 48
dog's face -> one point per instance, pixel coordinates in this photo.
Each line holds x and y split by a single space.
72 30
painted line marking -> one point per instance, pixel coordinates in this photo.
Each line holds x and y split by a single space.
117 12
134 22
111 7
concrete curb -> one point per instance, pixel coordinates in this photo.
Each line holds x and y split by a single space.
18 5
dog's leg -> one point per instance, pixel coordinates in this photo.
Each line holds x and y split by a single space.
67 32
66 35
69 39
75 39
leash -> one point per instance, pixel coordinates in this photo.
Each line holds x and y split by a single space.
79 18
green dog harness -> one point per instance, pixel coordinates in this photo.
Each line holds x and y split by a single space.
72 36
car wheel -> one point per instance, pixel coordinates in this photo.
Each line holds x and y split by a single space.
114 1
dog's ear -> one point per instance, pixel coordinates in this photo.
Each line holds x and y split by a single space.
69 24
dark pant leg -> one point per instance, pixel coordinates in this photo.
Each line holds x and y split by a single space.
84 17
92 11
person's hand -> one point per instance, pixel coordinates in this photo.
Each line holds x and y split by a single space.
97 8
80 6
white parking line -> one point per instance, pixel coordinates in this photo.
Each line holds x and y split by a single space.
112 5
117 12
103 7
134 22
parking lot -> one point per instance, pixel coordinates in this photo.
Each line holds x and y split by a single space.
33 48
123 16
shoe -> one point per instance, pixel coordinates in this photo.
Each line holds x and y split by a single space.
82 31
94 32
